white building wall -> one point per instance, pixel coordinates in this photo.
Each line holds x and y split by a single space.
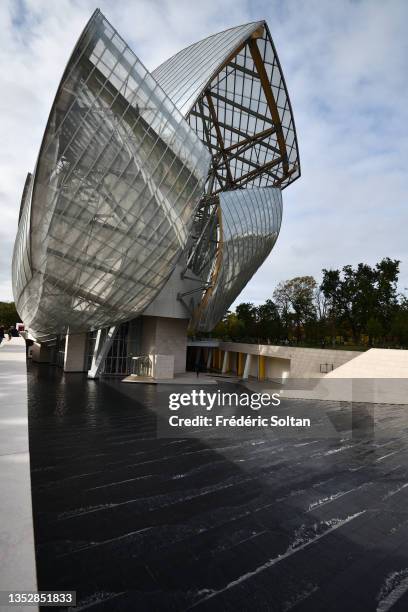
375 363
277 368
304 362
166 336
75 347
167 304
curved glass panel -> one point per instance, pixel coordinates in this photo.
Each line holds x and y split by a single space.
114 195
136 170
185 75
21 266
250 221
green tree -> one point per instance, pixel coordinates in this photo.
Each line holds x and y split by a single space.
230 327
374 330
399 324
387 277
295 300
247 315
357 295
268 321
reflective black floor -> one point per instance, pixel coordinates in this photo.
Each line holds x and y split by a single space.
133 522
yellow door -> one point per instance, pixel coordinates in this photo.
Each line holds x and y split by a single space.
261 367
240 367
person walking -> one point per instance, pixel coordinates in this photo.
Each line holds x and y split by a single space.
197 369
1 333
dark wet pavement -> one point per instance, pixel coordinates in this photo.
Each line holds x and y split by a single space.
135 522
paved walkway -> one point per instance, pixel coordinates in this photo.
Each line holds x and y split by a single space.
17 561
186 378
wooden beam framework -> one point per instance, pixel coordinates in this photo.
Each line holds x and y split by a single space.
260 67
220 140
213 122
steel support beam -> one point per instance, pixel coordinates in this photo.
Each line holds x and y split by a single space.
241 107
253 139
220 139
101 350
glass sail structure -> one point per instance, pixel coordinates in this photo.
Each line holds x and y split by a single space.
231 88
113 196
138 172
249 225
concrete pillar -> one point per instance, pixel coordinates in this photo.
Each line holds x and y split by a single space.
165 336
247 368
41 353
75 348
225 362
102 347
209 358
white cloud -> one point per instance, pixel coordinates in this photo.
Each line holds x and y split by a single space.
346 68
346 65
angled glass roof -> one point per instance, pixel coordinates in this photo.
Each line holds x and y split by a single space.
231 88
184 75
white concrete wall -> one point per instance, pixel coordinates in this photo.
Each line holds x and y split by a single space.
75 347
166 303
148 338
378 376
375 363
304 362
166 336
276 369
171 339
162 366
17 558
40 353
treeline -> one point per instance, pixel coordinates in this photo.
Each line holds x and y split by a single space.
352 306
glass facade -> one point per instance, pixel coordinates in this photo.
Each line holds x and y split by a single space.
185 75
126 344
232 90
250 221
113 197
138 172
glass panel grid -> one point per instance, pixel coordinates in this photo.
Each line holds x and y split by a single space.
250 222
116 190
117 182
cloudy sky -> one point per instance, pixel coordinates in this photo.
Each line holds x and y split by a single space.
346 67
